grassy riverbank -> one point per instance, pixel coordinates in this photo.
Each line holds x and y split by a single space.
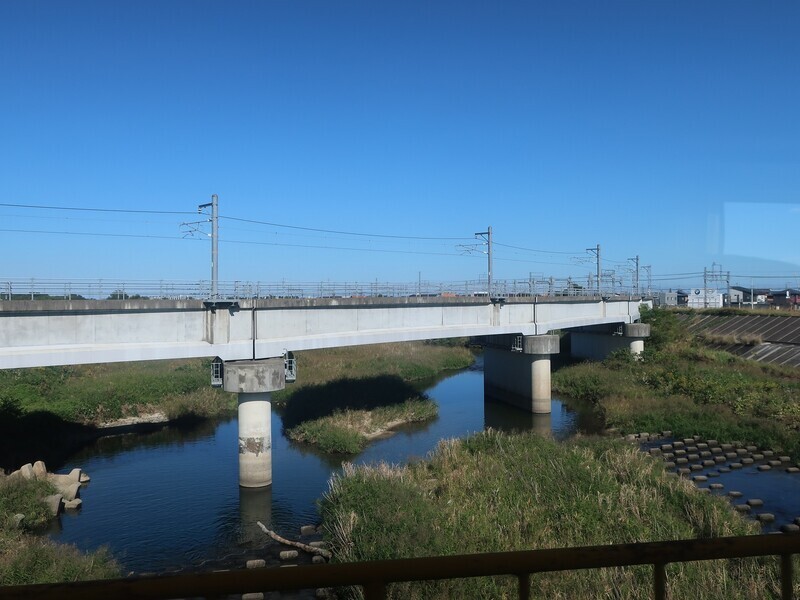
496 492
341 415
26 559
683 386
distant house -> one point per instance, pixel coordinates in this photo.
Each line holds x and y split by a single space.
741 296
788 298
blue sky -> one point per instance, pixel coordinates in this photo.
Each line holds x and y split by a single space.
668 130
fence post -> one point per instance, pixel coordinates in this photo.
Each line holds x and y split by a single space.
659 581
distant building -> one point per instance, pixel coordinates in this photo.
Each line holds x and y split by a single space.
704 298
667 298
788 298
741 296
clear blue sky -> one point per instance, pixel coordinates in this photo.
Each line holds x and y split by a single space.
668 130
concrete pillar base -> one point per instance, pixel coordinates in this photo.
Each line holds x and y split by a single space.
597 345
521 379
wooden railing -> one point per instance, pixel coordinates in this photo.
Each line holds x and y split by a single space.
375 576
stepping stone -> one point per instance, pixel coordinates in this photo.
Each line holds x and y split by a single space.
724 446
720 459
713 474
681 460
693 456
793 470
764 467
768 453
765 517
751 448
716 486
731 455
666 447
742 507
790 528
696 467
688 441
774 463
678 444
668 455
680 452
691 449
700 478
684 471
716 451
758 457
747 461
742 451
784 458
724 470
736 465
669 465
705 454
755 502
702 445
735 494
666 433
713 442
709 463
655 450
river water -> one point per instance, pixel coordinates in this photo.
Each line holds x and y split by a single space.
170 500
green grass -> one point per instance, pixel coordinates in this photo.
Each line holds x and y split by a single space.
498 492
92 394
683 386
26 559
349 430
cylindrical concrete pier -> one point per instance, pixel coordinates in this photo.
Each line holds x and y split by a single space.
541 392
253 380
255 440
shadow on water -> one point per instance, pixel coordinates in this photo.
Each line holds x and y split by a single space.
39 436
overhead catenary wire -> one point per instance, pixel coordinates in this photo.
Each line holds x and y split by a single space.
106 210
341 232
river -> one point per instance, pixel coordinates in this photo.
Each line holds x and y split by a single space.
170 500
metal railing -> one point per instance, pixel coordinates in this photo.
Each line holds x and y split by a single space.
121 289
375 576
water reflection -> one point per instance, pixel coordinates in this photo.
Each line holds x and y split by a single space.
255 504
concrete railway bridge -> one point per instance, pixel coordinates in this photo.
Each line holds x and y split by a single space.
252 337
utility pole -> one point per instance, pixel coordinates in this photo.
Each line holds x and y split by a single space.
487 237
596 252
648 270
635 261
214 244
705 287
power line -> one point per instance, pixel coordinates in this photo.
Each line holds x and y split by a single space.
373 235
379 250
89 234
533 250
109 210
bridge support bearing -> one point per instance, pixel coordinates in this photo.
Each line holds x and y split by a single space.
597 345
521 379
254 380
